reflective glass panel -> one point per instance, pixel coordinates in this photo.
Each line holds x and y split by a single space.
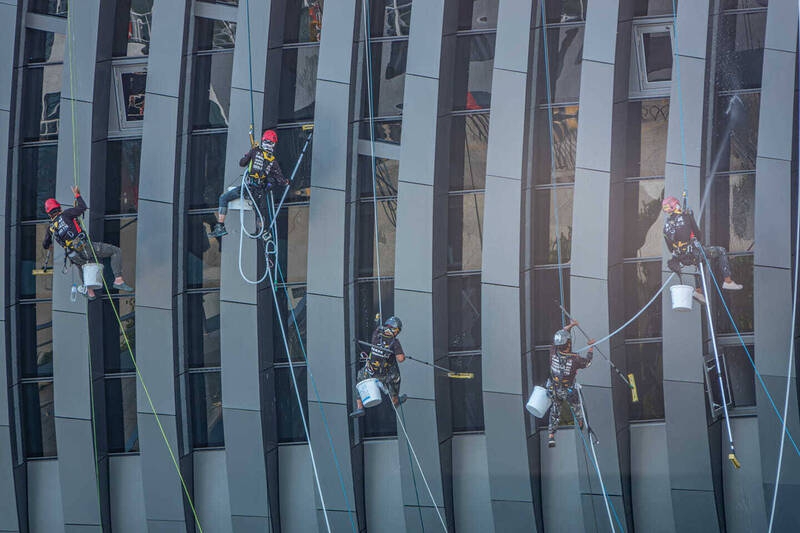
205 408
367 310
292 227
387 225
565 142
643 227
43 46
121 232
294 326
472 75
202 330
641 281
290 422
121 422
465 231
132 88
741 377
133 19
740 303
740 50
41 103
744 4
547 235
647 137
36 339
645 361
202 254
380 421
32 257
386 176
564 11
390 18
49 7
657 56
38 420
298 85
546 315
213 34
122 176
564 54
652 8
303 21
206 170
37 169
733 201
388 79
385 130
469 138
115 351
287 152
466 396
211 90
477 14
736 133
464 313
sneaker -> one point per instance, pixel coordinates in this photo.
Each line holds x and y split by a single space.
91 297
731 286
218 231
83 290
123 287
551 440
358 413
699 297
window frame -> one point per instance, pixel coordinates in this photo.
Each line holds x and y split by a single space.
639 87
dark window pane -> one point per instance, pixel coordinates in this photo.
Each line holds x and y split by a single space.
472 76
37 180
387 172
643 227
647 137
41 103
386 131
122 233
741 377
477 14
380 421
226 2
562 11
115 351
733 207
736 134
38 420
641 281
546 315
743 4
367 310
469 138
287 152
645 362
292 227
43 46
652 8
466 396
564 53
214 34
202 330
211 90
205 408
389 18
32 257
290 423
133 19
202 254
123 431
565 142
132 87
296 339
122 176
206 169
49 7
740 303
303 21
657 56
388 79
298 83
465 231
464 313
547 235
740 50
36 339
387 224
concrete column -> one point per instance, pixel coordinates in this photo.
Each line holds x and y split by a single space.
327 261
774 262
165 505
691 476
503 401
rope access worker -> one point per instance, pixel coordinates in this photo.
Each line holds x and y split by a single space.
682 237
264 174
381 362
564 366
66 231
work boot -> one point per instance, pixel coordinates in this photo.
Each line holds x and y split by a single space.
731 286
358 413
551 440
218 231
122 287
699 297
401 399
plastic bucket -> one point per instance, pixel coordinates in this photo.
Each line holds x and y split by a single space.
539 402
93 275
369 391
681 297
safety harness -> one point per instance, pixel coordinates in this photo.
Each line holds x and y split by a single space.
381 356
70 236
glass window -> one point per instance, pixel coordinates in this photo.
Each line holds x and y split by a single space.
466 396
226 2
202 330
740 303
32 256
743 4
741 377
41 103
477 14
298 85
733 204
565 142
472 76
213 34
645 362
388 79
36 339
641 281
390 18
464 313
122 427
205 408
49 7
387 173
211 90
736 133
546 314
37 180
385 130
116 355
657 48
564 54
295 332
287 152
290 423
292 227
133 19
380 421
43 46
652 8
387 224
206 169
122 176
545 203
130 87
121 232
740 50
563 11
643 227
367 301
303 21
203 254
648 121
469 139
38 420
465 231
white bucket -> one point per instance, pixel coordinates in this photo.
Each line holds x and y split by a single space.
369 391
681 297
539 402
93 275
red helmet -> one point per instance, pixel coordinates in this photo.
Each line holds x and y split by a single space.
50 204
270 136
671 203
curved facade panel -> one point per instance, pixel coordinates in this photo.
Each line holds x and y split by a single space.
466 165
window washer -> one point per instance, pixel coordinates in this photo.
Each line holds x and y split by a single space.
682 237
264 174
564 366
381 362
66 231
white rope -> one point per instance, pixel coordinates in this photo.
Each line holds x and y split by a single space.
243 231
596 462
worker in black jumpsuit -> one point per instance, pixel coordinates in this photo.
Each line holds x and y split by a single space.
381 362
564 366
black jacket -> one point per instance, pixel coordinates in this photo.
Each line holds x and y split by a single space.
65 228
382 352
564 366
263 171
680 231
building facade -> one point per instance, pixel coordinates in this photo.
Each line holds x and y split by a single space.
474 164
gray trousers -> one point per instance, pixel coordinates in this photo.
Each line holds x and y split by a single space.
102 251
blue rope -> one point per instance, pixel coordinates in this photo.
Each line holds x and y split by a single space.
250 66
680 97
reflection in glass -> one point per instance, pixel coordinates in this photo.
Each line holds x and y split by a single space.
133 86
290 423
121 232
477 14
385 130
387 173
740 50
469 138
388 79
43 46
564 11
652 8
466 396
49 7
32 256
122 176
367 310
211 34
211 90
133 19
38 420
547 235
287 152
546 315
292 227
736 133
472 82
295 333
389 18
121 422
202 330
740 303
206 169
733 199
36 339
202 254
565 142
741 377
643 228
41 102
205 409
565 54
298 83
464 312
648 121
115 351
645 361
365 238
641 281
465 231
657 56
303 21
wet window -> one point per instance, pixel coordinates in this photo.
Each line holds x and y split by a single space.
466 395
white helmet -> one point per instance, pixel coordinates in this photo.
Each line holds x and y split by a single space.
561 337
